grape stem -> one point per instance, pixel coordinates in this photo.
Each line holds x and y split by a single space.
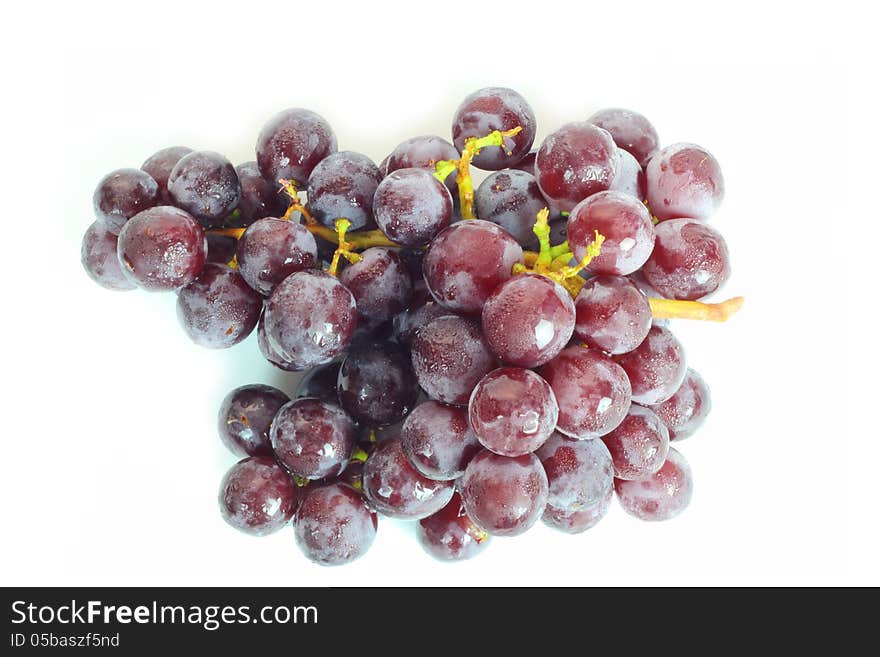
472 147
289 188
344 248
713 312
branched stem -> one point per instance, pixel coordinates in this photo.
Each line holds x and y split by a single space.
344 248
289 188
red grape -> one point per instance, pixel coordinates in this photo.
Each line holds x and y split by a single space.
638 445
687 409
333 525
511 199
320 382
342 185
663 495
630 179
424 152
98 258
159 166
292 143
684 180
631 131
272 249
528 319
422 310
592 391
268 352
259 197
221 248
377 385
245 416
380 283
503 495
313 439
467 261
437 440
450 535
411 206
495 108
656 367
257 496
206 185
122 194
612 314
624 222
512 411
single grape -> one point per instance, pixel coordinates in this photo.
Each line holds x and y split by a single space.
333 525
245 417
511 199
342 185
574 162
206 185
309 318
424 152
259 197
656 368
690 260
490 109
613 314
313 439
98 258
272 249
503 495
380 283
218 309
449 357
631 131
269 353
638 445
630 179
377 385
162 248
625 223
257 496
411 206
580 475
371 330
122 194
684 180
437 440
512 411
467 261
663 495
221 248
528 319
320 382
292 143
396 489
592 391
421 311
450 535
159 166
687 409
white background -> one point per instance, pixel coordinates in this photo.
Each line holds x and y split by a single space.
110 460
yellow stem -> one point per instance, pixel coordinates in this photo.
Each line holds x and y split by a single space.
344 247
289 188
713 312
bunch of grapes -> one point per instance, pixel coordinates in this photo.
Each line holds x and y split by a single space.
476 359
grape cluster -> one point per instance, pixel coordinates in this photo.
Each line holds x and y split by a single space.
475 359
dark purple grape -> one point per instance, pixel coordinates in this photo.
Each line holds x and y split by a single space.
574 162
413 259
638 445
527 164
450 535
292 143
631 131
656 368
504 495
450 357
687 409
162 248
205 184
98 257
438 441
511 199
512 411
269 353
624 222
490 109
312 438
690 260
424 152
272 249
333 525
684 180
371 330
395 488
245 417
257 496
377 385
259 197
121 194
528 320
159 166
218 309
422 311
221 248
630 179
467 261
612 314
663 495
320 382
411 206
581 480
342 185
592 391
309 319
380 283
